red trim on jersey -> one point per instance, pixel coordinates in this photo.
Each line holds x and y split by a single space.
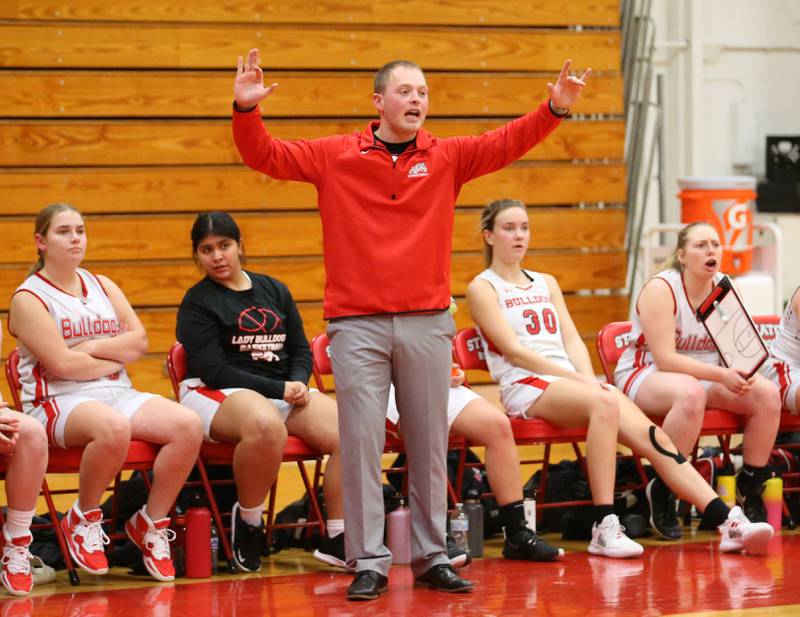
535 382
784 379
672 293
84 289
214 395
35 295
41 384
52 412
638 371
96 278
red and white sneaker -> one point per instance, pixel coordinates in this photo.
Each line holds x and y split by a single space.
17 576
153 540
86 539
739 534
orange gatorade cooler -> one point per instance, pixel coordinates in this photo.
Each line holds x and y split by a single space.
727 204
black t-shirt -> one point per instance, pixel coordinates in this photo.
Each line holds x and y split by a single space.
244 339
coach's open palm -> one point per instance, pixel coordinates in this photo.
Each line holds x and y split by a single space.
248 87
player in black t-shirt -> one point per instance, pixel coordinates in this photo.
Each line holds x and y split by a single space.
248 362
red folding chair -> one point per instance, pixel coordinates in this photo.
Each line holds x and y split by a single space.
295 451
141 456
321 368
468 353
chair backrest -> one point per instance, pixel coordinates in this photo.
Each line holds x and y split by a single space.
176 367
321 360
12 377
468 350
767 326
612 340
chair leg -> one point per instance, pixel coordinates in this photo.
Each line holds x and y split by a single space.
541 495
273 491
316 512
62 543
212 504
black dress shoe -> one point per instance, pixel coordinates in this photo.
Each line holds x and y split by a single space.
367 585
444 578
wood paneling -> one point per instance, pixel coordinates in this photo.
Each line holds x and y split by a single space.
192 189
312 46
193 94
411 12
162 283
129 238
46 143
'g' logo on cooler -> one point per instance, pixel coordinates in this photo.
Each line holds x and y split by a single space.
736 216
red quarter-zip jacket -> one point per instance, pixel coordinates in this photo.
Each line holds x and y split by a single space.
387 225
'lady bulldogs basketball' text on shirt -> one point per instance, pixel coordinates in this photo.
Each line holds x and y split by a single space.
691 337
250 339
78 319
529 311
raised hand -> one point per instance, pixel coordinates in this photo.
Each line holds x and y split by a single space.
567 88
248 87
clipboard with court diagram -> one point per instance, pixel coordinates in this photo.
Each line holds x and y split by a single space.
732 329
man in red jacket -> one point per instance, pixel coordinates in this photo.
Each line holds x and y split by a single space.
386 197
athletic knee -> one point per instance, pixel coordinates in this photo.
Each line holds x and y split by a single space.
692 401
606 409
114 432
188 428
496 431
267 430
31 437
768 398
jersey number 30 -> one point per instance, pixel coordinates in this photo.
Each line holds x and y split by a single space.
535 325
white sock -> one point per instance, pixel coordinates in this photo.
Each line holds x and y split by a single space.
252 516
18 523
335 526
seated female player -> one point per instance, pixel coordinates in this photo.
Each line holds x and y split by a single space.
23 445
76 332
672 368
535 353
248 362
783 366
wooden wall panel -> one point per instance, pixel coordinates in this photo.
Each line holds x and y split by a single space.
411 12
161 283
194 46
192 189
130 238
45 143
193 94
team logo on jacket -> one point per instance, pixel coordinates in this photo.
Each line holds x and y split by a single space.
258 319
418 170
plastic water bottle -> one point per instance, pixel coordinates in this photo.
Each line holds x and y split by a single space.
529 509
214 544
198 540
474 511
459 527
773 502
398 532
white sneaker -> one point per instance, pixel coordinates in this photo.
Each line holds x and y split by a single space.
739 534
609 540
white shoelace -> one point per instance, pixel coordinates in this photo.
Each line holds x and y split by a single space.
157 542
94 538
16 559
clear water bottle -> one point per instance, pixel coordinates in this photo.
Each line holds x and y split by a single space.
398 532
459 527
529 508
214 543
474 511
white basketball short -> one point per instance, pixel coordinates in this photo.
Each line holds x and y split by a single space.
205 401
458 398
53 412
629 381
518 397
784 375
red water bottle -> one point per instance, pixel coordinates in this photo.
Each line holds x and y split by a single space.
198 540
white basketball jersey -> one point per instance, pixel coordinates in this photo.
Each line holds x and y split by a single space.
78 319
691 338
529 311
786 346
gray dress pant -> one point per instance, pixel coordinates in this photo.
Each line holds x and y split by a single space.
367 354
